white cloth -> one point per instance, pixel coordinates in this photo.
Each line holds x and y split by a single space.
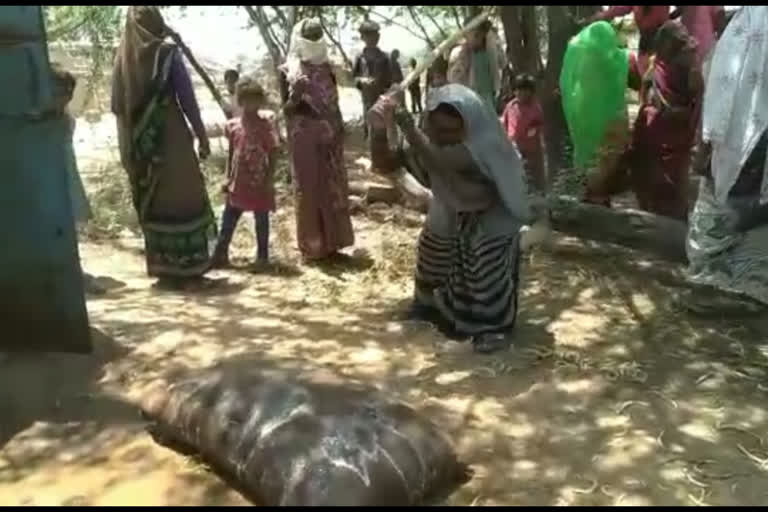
706 64
735 111
303 50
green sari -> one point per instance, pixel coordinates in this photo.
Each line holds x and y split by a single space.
169 192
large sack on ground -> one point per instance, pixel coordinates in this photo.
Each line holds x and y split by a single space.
287 441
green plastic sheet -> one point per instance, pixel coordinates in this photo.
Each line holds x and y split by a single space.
593 84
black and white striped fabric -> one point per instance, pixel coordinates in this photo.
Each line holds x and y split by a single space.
470 278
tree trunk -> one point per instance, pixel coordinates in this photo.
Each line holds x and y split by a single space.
561 28
510 20
521 34
531 44
662 236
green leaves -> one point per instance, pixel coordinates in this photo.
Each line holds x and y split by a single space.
99 23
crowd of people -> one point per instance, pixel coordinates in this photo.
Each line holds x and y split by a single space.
700 100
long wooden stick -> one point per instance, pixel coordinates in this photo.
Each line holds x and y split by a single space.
442 47
437 52
200 71
406 184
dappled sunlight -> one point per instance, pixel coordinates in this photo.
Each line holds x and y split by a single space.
610 395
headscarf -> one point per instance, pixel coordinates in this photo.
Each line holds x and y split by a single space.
736 98
135 67
304 50
489 146
135 62
593 84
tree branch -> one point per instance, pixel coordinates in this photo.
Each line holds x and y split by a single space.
391 21
259 20
292 16
278 42
58 32
282 18
431 18
417 21
456 17
336 43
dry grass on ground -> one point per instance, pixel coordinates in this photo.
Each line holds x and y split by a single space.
611 396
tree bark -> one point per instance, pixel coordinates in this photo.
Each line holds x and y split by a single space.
561 28
530 33
662 236
510 20
521 34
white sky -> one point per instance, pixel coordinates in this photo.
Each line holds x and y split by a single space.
219 34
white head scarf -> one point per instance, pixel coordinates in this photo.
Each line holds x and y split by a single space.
489 146
736 98
304 50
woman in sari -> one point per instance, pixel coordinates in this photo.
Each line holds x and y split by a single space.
728 234
593 84
467 268
151 95
666 124
316 139
656 164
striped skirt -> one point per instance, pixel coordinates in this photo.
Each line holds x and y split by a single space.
470 278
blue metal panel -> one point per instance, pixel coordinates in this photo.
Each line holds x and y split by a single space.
42 304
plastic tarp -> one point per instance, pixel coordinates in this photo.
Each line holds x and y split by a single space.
283 437
593 84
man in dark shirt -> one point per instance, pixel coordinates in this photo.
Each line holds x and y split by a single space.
372 70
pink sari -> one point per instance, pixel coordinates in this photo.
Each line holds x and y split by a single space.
663 139
323 223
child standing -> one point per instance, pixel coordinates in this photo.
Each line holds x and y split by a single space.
523 121
250 171
63 89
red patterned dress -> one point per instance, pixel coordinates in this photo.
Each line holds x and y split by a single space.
250 185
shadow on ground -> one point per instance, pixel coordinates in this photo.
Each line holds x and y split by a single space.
611 395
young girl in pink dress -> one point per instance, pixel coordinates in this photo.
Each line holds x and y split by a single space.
250 171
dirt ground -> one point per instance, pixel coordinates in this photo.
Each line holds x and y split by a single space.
612 395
